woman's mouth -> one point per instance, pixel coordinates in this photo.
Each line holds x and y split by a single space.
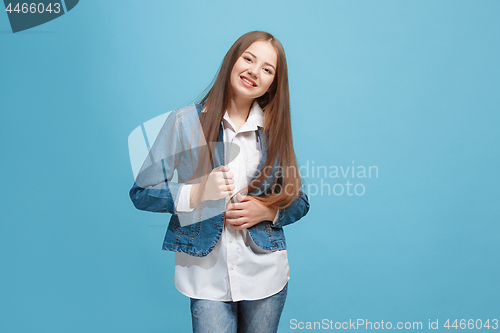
247 82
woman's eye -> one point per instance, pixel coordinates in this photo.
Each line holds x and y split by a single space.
247 59
268 70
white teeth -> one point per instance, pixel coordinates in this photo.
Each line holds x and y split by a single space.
250 83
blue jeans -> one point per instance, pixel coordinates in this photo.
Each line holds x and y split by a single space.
259 316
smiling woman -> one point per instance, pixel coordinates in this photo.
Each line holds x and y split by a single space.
227 215
253 72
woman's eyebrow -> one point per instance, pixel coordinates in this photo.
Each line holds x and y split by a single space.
253 55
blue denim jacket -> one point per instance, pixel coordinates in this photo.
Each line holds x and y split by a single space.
197 232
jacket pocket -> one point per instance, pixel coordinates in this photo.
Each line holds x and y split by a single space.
190 230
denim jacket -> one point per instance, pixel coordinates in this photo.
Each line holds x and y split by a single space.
197 232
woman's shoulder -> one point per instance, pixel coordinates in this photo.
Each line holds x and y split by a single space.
192 110
184 116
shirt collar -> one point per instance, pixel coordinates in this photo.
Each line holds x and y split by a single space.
256 115
255 118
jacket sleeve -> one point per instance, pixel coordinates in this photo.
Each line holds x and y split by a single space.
294 212
153 189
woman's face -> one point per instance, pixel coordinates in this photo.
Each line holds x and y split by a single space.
254 71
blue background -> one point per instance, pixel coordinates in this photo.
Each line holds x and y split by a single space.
411 87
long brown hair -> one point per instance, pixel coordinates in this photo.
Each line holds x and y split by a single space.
277 121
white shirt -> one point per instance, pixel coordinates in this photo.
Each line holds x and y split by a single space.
236 269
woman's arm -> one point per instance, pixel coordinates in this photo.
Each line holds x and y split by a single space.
153 189
294 212
251 211
248 212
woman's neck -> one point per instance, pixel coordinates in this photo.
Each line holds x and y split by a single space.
238 110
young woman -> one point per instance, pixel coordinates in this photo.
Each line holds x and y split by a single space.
238 185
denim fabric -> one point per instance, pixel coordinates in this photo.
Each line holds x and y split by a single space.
259 316
197 232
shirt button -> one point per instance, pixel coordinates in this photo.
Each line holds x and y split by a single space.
232 267
230 240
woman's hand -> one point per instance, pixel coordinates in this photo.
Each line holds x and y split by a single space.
220 184
248 212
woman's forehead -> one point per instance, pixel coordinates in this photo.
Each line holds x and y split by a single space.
264 50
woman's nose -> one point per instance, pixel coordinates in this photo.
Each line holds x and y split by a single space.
253 71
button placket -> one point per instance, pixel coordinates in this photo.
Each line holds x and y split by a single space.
232 259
